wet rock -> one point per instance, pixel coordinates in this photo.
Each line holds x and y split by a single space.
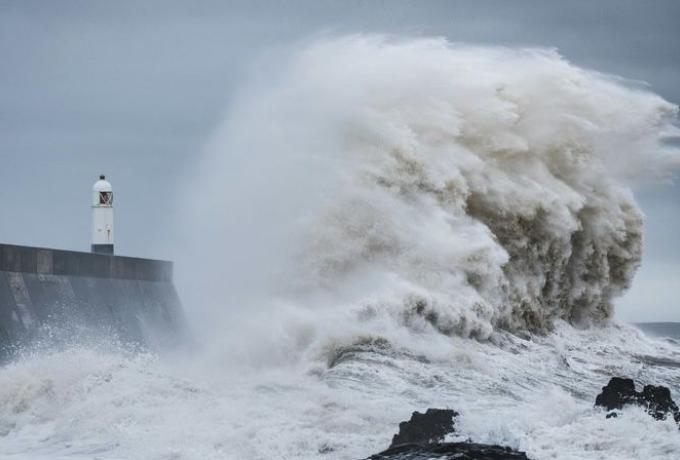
617 393
621 392
420 439
659 402
450 451
429 427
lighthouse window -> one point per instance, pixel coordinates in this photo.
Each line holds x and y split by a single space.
106 198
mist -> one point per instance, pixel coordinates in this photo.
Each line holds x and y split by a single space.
484 188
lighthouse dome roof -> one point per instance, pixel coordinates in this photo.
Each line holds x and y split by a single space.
102 185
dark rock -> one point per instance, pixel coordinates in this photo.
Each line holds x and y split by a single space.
450 451
617 393
429 427
420 439
659 402
621 392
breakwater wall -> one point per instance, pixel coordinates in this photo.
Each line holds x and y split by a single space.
49 294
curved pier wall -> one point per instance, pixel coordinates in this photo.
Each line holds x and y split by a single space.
49 294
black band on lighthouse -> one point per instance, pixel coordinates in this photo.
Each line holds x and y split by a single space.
102 249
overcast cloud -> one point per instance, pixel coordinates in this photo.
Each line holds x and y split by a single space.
134 90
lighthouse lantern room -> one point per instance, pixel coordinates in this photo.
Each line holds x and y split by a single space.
102 216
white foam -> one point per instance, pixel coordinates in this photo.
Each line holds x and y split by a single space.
536 395
465 186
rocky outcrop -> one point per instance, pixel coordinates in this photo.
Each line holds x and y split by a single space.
450 451
421 438
621 392
429 427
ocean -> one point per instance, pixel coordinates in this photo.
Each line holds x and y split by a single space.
535 394
669 331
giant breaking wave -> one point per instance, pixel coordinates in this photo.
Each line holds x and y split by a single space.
435 185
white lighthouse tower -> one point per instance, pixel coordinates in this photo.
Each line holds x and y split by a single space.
102 216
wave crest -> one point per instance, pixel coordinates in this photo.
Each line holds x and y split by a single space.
459 187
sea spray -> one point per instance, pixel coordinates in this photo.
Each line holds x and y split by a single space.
432 185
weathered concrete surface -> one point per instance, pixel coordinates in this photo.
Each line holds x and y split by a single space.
48 292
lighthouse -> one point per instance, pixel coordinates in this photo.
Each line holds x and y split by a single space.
102 217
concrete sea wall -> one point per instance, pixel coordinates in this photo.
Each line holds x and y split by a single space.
48 294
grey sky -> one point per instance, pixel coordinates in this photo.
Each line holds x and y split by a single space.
134 89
